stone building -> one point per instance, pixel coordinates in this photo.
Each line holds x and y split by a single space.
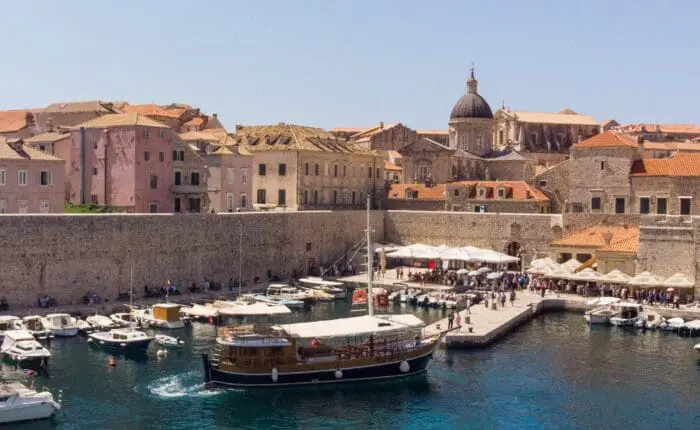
31 181
608 125
304 168
393 173
427 159
52 142
190 178
660 132
471 122
122 161
554 183
416 197
668 186
384 138
498 196
509 165
70 114
19 124
541 132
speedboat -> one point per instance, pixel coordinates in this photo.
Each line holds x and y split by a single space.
19 403
20 347
673 324
247 308
283 291
160 315
62 325
7 322
34 326
395 296
84 327
628 313
124 319
651 321
690 329
121 338
600 310
336 289
423 300
101 322
290 303
164 340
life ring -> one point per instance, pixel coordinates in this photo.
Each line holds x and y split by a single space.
359 296
404 366
338 374
382 300
275 374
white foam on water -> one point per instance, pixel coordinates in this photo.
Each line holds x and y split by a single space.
176 386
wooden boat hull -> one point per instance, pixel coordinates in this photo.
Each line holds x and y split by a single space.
216 377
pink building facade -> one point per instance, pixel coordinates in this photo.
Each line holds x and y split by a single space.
123 161
31 181
230 183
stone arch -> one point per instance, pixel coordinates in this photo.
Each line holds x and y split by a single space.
515 249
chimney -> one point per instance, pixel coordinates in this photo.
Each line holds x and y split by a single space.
49 124
239 127
236 149
607 237
381 124
215 116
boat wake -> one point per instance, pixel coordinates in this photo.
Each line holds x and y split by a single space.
176 386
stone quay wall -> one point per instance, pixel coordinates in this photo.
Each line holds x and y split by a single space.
65 256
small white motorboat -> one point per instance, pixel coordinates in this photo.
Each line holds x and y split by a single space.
84 327
160 315
395 296
164 340
690 329
101 322
651 321
124 319
62 325
20 347
19 403
600 310
34 326
697 348
7 322
673 324
127 339
628 313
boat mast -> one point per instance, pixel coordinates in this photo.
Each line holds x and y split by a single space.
240 257
131 288
370 303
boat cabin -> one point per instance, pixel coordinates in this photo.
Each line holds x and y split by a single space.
127 334
166 312
628 310
59 320
281 290
33 323
7 322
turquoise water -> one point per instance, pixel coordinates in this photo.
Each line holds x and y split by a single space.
554 372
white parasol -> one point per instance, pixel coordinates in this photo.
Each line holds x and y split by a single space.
484 270
559 273
614 277
645 279
678 280
586 275
571 265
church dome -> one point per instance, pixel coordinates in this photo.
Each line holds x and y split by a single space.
471 105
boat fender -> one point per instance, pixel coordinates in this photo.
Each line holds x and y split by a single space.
338 374
122 344
111 362
274 375
102 342
89 339
404 366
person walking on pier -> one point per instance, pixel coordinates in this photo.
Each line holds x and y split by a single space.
450 319
469 304
512 298
458 320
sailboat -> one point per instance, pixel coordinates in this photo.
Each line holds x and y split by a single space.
362 348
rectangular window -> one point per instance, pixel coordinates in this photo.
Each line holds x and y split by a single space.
345 170
369 172
595 203
44 178
619 205
261 197
455 193
174 155
161 156
282 169
161 134
229 202
644 205
353 197
153 208
194 178
261 169
335 170
178 205
244 200
602 165
306 197
306 169
94 171
154 182
282 197
181 155
231 175
146 156
316 169
543 184
315 197
335 197
3 206
376 173
22 206
178 177
94 199
244 175
501 193
22 177
2 177
145 133
43 206
685 206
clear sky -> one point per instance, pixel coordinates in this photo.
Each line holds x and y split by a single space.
338 63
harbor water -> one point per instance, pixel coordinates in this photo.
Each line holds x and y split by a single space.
553 372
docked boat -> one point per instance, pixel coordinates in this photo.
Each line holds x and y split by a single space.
672 324
690 329
600 310
200 312
21 348
290 303
127 339
161 315
101 322
34 326
124 319
651 321
164 340
7 322
60 325
84 327
628 313
247 308
282 292
336 289
697 348
19 403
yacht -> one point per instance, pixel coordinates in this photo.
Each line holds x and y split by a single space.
672 324
160 315
247 308
101 322
121 338
19 403
600 310
7 322
336 289
20 347
628 313
84 327
34 326
62 325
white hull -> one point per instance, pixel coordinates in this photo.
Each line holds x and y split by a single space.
64 332
152 322
623 322
597 319
25 412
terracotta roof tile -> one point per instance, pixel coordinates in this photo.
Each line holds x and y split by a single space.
10 150
53 136
685 164
435 192
14 120
659 128
608 139
121 120
196 121
155 111
372 131
515 190
433 132
622 238
391 166
81 106
349 130
563 117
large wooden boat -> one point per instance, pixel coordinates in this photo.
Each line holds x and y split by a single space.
349 349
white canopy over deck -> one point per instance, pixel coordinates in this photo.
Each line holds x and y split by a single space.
244 308
200 311
353 326
313 280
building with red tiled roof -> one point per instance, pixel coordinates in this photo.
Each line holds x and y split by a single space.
495 196
392 172
16 123
425 196
660 132
612 246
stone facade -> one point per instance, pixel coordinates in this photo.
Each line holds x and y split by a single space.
190 178
499 197
429 160
229 184
554 182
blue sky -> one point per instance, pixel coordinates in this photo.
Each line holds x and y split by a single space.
355 63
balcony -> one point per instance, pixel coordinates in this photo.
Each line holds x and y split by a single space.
189 189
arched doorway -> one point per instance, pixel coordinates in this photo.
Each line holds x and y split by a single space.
515 249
